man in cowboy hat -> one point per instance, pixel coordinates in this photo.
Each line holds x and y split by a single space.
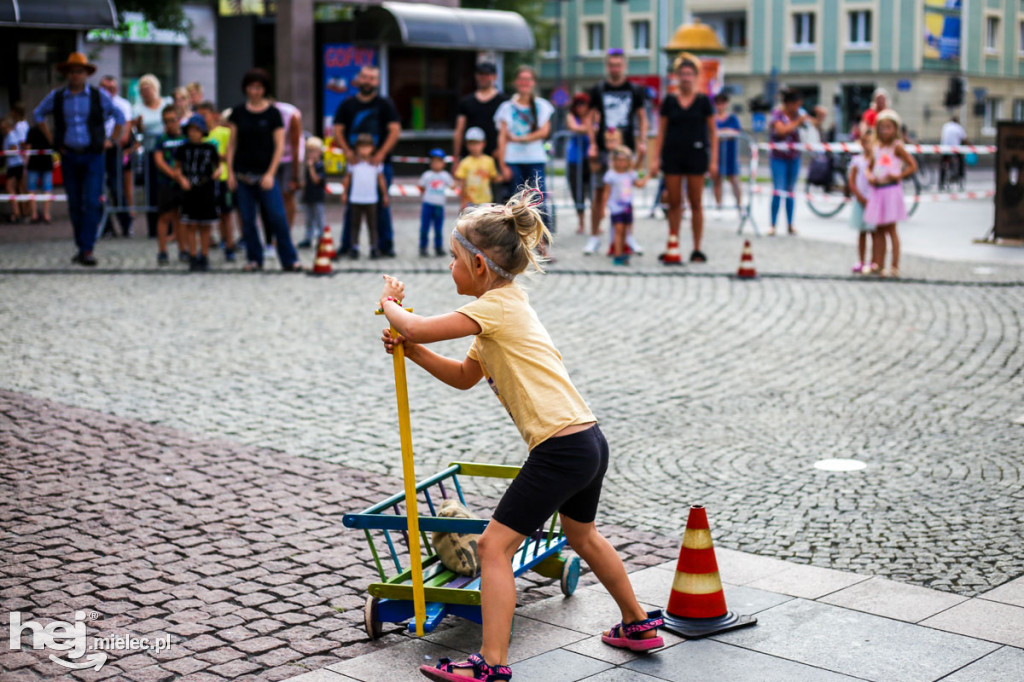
79 114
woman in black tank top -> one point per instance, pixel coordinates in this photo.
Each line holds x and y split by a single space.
687 148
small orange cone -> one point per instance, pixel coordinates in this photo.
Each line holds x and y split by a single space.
746 269
324 253
672 255
696 606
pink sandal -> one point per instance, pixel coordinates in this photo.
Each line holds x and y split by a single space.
626 636
445 670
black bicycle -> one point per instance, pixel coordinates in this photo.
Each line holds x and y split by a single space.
830 192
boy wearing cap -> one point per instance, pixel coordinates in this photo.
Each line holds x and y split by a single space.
476 172
434 183
196 169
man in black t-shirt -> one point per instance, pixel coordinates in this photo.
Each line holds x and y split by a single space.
615 103
369 113
477 110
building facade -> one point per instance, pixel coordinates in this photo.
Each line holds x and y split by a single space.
835 51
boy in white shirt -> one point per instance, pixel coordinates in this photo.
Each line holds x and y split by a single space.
364 185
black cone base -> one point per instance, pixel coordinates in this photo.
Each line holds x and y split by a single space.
695 628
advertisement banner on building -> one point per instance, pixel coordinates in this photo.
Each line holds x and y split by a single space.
942 25
342 63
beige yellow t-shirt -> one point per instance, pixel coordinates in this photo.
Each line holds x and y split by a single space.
522 365
478 173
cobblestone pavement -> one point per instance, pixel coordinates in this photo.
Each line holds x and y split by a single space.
710 390
779 256
235 553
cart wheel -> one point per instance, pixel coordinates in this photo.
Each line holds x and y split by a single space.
371 618
570 575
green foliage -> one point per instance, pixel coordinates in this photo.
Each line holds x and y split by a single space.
166 14
533 12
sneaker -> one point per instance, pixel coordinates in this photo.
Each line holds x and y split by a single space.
162 259
229 255
193 265
858 268
184 257
424 252
634 245
353 254
86 258
620 260
592 247
440 252
305 244
374 254
698 257
270 253
204 264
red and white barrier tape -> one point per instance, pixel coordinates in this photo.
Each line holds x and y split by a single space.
37 197
28 152
855 148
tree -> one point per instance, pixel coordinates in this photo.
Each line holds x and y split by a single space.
533 12
166 14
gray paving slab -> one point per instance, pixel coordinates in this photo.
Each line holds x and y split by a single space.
1008 593
857 644
706 659
1002 665
588 611
530 637
622 675
567 665
893 600
741 568
983 619
809 582
400 662
595 648
323 675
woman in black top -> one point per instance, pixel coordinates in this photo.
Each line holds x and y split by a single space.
686 149
253 154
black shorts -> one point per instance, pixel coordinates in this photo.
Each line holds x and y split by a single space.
624 218
168 198
561 474
15 172
688 162
199 205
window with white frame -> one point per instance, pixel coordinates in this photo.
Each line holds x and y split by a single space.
1020 39
860 28
993 112
1018 110
554 42
991 34
641 31
803 30
595 38
735 29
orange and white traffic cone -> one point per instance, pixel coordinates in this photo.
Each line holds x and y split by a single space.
324 252
746 269
672 255
696 606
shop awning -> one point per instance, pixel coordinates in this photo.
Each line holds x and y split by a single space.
78 14
421 25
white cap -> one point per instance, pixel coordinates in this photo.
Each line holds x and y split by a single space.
475 134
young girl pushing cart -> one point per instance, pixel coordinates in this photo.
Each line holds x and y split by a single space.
490 246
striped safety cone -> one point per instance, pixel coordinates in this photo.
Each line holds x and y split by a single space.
746 269
696 607
324 253
672 256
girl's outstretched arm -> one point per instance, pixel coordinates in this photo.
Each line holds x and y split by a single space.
461 375
419 329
